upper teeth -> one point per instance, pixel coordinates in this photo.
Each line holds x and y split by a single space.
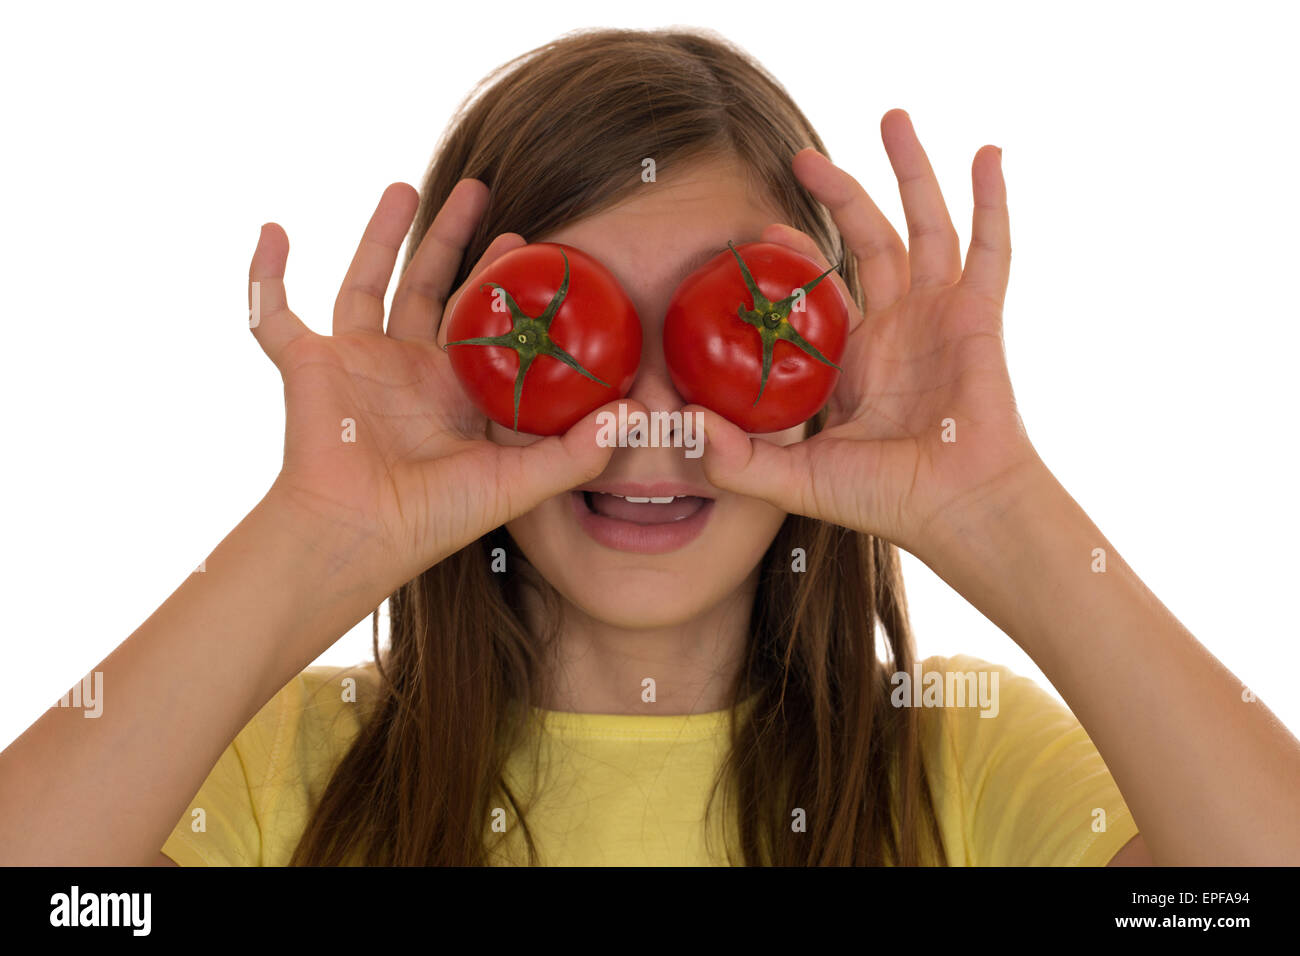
646 501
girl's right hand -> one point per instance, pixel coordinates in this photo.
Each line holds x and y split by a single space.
382 446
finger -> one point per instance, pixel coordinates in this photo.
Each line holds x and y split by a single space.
735 461
359 306
558 463
934 249
422 291
269 318
499 247
868 236
988 261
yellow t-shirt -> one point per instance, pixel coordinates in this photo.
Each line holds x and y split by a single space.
1023 786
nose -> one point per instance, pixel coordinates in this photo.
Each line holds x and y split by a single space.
652 393
653 385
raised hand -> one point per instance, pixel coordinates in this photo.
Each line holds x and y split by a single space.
381 444
923 418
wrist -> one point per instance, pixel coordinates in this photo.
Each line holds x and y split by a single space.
332 570
992 507
337 542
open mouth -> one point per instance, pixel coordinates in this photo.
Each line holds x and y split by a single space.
643 510
647 525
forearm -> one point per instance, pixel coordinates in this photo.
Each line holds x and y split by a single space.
107 790
1211 777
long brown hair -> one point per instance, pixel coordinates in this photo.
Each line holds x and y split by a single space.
560 134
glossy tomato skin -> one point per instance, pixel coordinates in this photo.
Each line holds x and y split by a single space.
596 323
716 359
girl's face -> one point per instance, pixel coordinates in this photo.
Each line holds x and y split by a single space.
650 565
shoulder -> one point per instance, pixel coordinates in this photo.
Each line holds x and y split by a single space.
1014 775
319 709
308 726
257 798
979 704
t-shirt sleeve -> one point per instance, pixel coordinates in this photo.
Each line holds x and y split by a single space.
254 803
1020 780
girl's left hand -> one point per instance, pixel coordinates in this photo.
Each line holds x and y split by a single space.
922 421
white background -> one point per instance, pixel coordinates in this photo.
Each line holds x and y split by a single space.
1151 322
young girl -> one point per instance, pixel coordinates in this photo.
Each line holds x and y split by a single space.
572 678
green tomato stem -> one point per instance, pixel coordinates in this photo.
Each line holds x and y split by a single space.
772 320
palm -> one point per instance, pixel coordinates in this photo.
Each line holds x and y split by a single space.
377 432
382 446
929 368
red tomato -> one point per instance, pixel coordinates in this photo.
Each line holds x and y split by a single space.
738 341
546 337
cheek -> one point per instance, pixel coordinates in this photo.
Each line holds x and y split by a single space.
540 536
740 545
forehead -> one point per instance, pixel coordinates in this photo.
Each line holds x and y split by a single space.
664 229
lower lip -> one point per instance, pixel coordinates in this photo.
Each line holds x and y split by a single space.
640 538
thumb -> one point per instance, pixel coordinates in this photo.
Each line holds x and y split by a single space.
270 320
559 463
738 462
